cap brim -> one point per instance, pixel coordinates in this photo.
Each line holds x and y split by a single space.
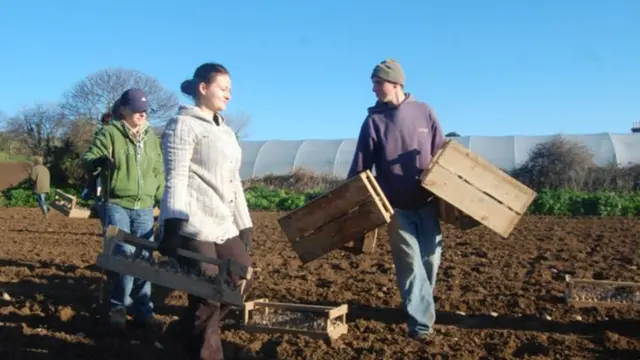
138 108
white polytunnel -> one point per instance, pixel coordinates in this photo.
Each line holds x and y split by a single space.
333 157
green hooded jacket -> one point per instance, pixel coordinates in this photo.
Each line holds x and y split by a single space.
137 177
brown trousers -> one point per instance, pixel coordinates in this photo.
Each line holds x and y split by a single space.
201 320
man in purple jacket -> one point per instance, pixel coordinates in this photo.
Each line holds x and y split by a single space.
399 137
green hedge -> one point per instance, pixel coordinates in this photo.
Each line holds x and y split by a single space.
548 202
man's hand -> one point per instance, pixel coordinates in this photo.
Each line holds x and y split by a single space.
171 239
246 237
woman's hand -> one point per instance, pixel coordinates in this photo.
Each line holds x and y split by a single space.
171 238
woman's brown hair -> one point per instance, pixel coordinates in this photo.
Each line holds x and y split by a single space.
205 73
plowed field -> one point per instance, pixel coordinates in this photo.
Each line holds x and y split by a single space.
496 298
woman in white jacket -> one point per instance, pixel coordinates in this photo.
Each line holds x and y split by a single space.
204 208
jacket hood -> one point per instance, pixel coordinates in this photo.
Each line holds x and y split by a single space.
380 107
195 112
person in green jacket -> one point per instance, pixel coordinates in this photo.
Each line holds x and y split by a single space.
128 156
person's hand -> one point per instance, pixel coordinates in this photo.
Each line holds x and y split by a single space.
171 239
246 237
103 162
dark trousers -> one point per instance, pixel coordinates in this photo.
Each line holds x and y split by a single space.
201 321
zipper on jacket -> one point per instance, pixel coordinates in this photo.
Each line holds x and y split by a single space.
138 155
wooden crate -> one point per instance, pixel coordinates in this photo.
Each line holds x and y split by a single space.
343 215
602 293
476 188
450 215
326 321
364 245
167 273
67 205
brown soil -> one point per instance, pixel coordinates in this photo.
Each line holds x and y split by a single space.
496 298
12 173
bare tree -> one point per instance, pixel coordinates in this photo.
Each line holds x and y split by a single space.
239 122
91 97
79 133
39 127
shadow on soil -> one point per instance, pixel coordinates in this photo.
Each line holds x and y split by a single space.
626 327
56 311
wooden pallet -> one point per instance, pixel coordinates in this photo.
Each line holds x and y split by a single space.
601 293
67 205
332 220
218 289
477 189
329 322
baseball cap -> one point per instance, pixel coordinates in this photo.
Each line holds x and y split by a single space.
134 100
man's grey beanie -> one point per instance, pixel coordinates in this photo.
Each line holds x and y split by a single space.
389 70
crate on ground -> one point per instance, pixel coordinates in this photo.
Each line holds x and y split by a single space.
343 215
68 206
315 321
602 293
475 189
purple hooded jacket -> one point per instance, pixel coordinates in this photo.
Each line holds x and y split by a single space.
400 142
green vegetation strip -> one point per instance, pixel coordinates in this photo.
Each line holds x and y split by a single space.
548 202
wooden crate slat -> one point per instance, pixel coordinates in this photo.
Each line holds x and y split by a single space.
363 245
335 234
459 193
333 204
61 208
369 241
331 311
80 213
66 197
486 177
375 189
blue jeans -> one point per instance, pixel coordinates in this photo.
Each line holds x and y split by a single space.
41 199
127 291
416 248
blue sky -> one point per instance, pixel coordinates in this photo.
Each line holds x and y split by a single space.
301 68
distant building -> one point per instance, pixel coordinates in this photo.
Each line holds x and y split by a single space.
333 157
635 128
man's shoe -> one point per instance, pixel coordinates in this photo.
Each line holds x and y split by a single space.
118 318
420 335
